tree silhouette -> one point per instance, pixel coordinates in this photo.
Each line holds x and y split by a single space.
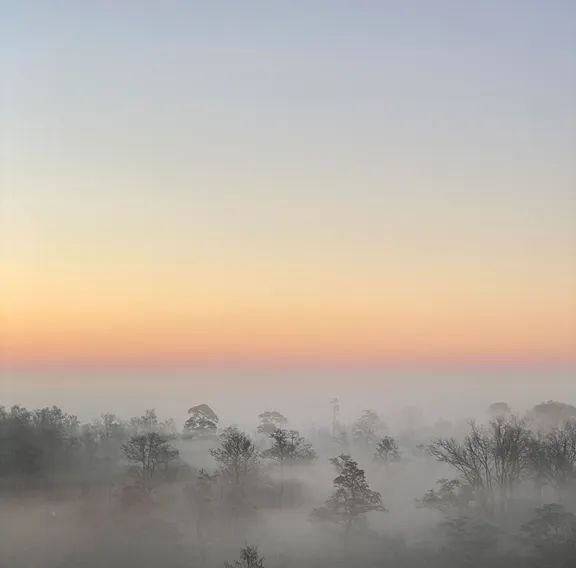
452 497
491 460
552 458
366 429
148 452
289 448
270 421
237 455
249 558
352 497
202 422
387 451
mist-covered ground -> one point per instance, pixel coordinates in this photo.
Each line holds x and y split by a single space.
420 474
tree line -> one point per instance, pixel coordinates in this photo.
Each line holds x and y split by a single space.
490 462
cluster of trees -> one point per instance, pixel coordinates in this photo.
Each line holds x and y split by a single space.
39 441
493 460
47 446
501 470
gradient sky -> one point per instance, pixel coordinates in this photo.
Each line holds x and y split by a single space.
287 181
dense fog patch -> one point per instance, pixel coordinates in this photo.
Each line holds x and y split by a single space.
496 490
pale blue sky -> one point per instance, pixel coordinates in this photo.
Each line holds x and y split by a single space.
405 151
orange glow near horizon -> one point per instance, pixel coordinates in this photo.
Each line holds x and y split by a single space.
55 318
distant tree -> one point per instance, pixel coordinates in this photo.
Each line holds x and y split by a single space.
538 466
149 422
270 421
56 434
499 410
387 451
201 492
551 535
551 414
552 458
37 442
110 427
19 453
249 558
453 497
237 455
367 428
146 423
336 426
101 450
510 441
352 497
148 452
490 459
202 422
288 448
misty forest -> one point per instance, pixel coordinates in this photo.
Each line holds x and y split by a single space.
498 490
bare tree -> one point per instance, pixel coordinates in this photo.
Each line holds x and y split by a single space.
552 458
352 497
491 460
510 445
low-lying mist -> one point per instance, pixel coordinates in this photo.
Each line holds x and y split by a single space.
203 490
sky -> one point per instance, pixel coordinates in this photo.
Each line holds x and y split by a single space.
307 182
